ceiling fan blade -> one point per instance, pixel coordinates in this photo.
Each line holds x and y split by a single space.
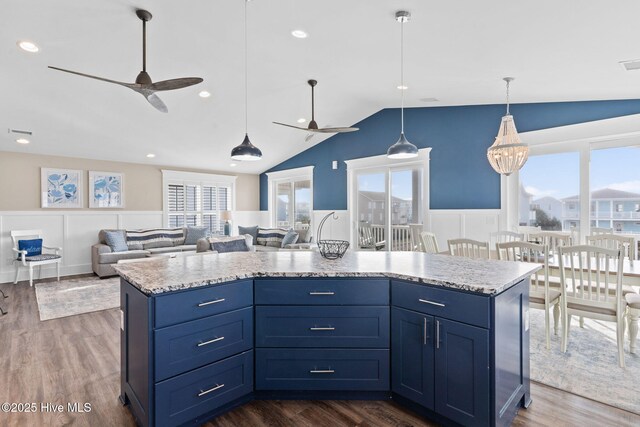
157 103
174 83
291 126
129 85
334 130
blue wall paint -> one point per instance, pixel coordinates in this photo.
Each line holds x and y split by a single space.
461 177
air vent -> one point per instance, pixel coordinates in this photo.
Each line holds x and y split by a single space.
20 132
632 65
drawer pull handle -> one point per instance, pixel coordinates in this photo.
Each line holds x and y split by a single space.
215 301
426 301
321 371
203 392
322 328
321 293
201 344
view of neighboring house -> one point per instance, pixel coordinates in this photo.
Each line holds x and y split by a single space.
371 208
524 210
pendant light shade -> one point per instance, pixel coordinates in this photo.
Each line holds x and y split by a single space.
402 149
508 153
246 151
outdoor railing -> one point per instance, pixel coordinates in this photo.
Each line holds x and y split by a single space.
400 236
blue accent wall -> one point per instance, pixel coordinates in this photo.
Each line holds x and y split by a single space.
461 177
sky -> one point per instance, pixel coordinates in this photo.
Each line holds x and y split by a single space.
557 175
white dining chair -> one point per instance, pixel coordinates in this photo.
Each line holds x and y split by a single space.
496 237
526 230
551 239
429 242
469 248
414 232
30 262
591 279
541 296
627 244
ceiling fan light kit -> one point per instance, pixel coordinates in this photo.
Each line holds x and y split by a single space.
508 153
143 84
402 149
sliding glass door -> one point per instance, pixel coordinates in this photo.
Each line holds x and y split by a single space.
293 204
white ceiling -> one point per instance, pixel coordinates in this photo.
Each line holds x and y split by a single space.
456 51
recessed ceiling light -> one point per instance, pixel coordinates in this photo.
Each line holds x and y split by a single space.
302 120
204 94
28 46
22 141
401 87
299 34
233 165
151 155
429 99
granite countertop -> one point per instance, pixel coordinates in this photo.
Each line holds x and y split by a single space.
157 276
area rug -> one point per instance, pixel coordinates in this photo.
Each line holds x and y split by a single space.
589 368
76 296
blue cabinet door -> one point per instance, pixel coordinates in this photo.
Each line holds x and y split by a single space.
412 356
462 372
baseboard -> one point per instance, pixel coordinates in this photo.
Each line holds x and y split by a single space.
48 271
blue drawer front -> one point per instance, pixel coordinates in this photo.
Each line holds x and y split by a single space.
343 326
461 306
183 347
322 291
322 369
190 395
199 303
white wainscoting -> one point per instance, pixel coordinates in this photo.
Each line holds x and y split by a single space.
474 224
76 231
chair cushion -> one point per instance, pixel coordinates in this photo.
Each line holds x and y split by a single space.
289 239
195 233
599 310
32 246
113 257
271 237
252 231
42 257
538 297
633 300
626 289
116 240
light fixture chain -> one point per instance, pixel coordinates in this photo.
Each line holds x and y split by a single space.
508 81
402 88
246 74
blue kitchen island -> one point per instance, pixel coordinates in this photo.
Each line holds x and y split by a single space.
447 337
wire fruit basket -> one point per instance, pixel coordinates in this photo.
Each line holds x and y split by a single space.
331 249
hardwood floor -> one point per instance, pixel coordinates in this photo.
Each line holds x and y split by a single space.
76 359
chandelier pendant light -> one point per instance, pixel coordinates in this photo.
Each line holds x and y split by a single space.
246 151
508 153
402 149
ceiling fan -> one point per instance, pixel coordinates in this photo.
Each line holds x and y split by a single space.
143 84
313 126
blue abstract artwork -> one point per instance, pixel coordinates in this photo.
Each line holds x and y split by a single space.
106 190
61 188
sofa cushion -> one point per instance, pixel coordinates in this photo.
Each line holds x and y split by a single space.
260 248
194 233
252 231
162 250
154 238
102 234
271 237
113 257
185 248
32 246
229 244
289 239
116 240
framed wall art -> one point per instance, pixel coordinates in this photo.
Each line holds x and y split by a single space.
61 188
106 189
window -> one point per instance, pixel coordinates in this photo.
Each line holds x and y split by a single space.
194 199
291 198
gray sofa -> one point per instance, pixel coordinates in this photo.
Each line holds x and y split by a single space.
304 242
103 258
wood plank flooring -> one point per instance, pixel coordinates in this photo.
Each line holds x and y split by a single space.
76 359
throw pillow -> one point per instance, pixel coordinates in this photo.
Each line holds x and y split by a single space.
234 244
32 246
252 231
195 233
290 238
304 235
271 237
116 239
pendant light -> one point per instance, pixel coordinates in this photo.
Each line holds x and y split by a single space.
508 153
402 149
246 151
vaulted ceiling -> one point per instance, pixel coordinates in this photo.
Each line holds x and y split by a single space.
456 51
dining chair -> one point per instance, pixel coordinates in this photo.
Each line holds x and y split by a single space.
541 296
591 279
526 230
414 233
627 244
429 242
601 230
552 239
24 260
469 248
496 237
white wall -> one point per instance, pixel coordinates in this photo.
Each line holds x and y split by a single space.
76 231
